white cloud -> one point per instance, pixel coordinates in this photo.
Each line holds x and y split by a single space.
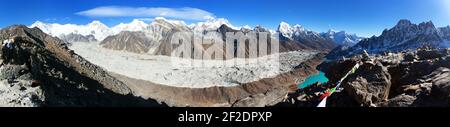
187 13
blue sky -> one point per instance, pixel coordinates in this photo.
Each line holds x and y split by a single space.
363 17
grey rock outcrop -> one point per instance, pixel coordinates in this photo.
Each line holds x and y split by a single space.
136 42
71 38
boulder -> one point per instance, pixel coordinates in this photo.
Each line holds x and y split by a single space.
370 84
441 83
428 54
410 57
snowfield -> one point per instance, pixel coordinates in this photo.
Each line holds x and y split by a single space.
164 70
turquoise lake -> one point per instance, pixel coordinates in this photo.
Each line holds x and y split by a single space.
320 77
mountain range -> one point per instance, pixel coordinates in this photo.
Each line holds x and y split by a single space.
403 36
342 37
157 31
154 36
100 31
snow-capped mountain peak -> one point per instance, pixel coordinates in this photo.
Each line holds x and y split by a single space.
246 27
341 37
211 24
285 29
41 25
100 31
173 22
331 31
160 26
161 21
298 29
135 25
137 22
259 28
37 23
95 28
97 23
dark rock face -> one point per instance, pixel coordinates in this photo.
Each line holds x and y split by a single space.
135 42
335 69
304 37
440 80
285 45
317 44
445 32
400 101
45 64
410 57
71 38
428 54
369 85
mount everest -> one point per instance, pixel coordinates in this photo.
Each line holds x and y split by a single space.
100 31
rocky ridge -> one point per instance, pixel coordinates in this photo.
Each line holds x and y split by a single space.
39 70
402 37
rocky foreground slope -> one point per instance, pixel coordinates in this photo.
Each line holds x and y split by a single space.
407 79
39 70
